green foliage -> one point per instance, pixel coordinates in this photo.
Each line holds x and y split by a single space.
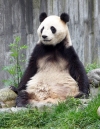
92 66
14 68
67 115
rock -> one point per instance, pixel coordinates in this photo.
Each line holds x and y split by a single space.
94 77
16 109
7 97
94 91
13 109
5 110
98 111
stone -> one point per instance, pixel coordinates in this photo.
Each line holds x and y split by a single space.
94 77
13 109
7 97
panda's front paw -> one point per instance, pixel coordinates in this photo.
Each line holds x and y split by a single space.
82 95
22 99
13 88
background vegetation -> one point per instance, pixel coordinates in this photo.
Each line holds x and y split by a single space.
92 66
16 60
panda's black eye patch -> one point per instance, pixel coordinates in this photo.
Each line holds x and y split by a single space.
53 29
42 29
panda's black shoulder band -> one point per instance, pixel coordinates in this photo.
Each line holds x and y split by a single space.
64 17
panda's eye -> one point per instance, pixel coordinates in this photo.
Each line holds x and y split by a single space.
42 30
53 29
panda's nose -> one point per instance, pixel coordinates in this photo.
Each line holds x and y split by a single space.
44 36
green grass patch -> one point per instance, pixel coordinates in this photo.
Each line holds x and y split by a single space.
67 115
92 66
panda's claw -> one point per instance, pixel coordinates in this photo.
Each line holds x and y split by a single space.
82 95
13 88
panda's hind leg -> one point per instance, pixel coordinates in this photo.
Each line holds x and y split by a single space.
22 99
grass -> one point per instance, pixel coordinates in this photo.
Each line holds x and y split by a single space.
92 66
67 115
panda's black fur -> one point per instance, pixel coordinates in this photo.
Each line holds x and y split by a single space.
76 68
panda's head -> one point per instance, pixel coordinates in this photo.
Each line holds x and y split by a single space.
53 29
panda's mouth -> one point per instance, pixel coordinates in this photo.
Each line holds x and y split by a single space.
47 40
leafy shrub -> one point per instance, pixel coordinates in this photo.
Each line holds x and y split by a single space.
14 69
92 66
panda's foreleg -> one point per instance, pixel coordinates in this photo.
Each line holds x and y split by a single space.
77 71
22 99
32 67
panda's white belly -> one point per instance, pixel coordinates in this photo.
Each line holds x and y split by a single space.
52 81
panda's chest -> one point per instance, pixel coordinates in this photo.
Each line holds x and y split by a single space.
52 63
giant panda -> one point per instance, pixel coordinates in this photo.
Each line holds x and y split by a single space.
54 71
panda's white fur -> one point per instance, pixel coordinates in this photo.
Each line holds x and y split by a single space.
53 39
52 81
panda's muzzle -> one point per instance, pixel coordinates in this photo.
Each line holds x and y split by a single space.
45 38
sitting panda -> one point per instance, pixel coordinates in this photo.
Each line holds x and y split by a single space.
54 71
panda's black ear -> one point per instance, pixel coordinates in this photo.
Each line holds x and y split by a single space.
42 16
64 17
